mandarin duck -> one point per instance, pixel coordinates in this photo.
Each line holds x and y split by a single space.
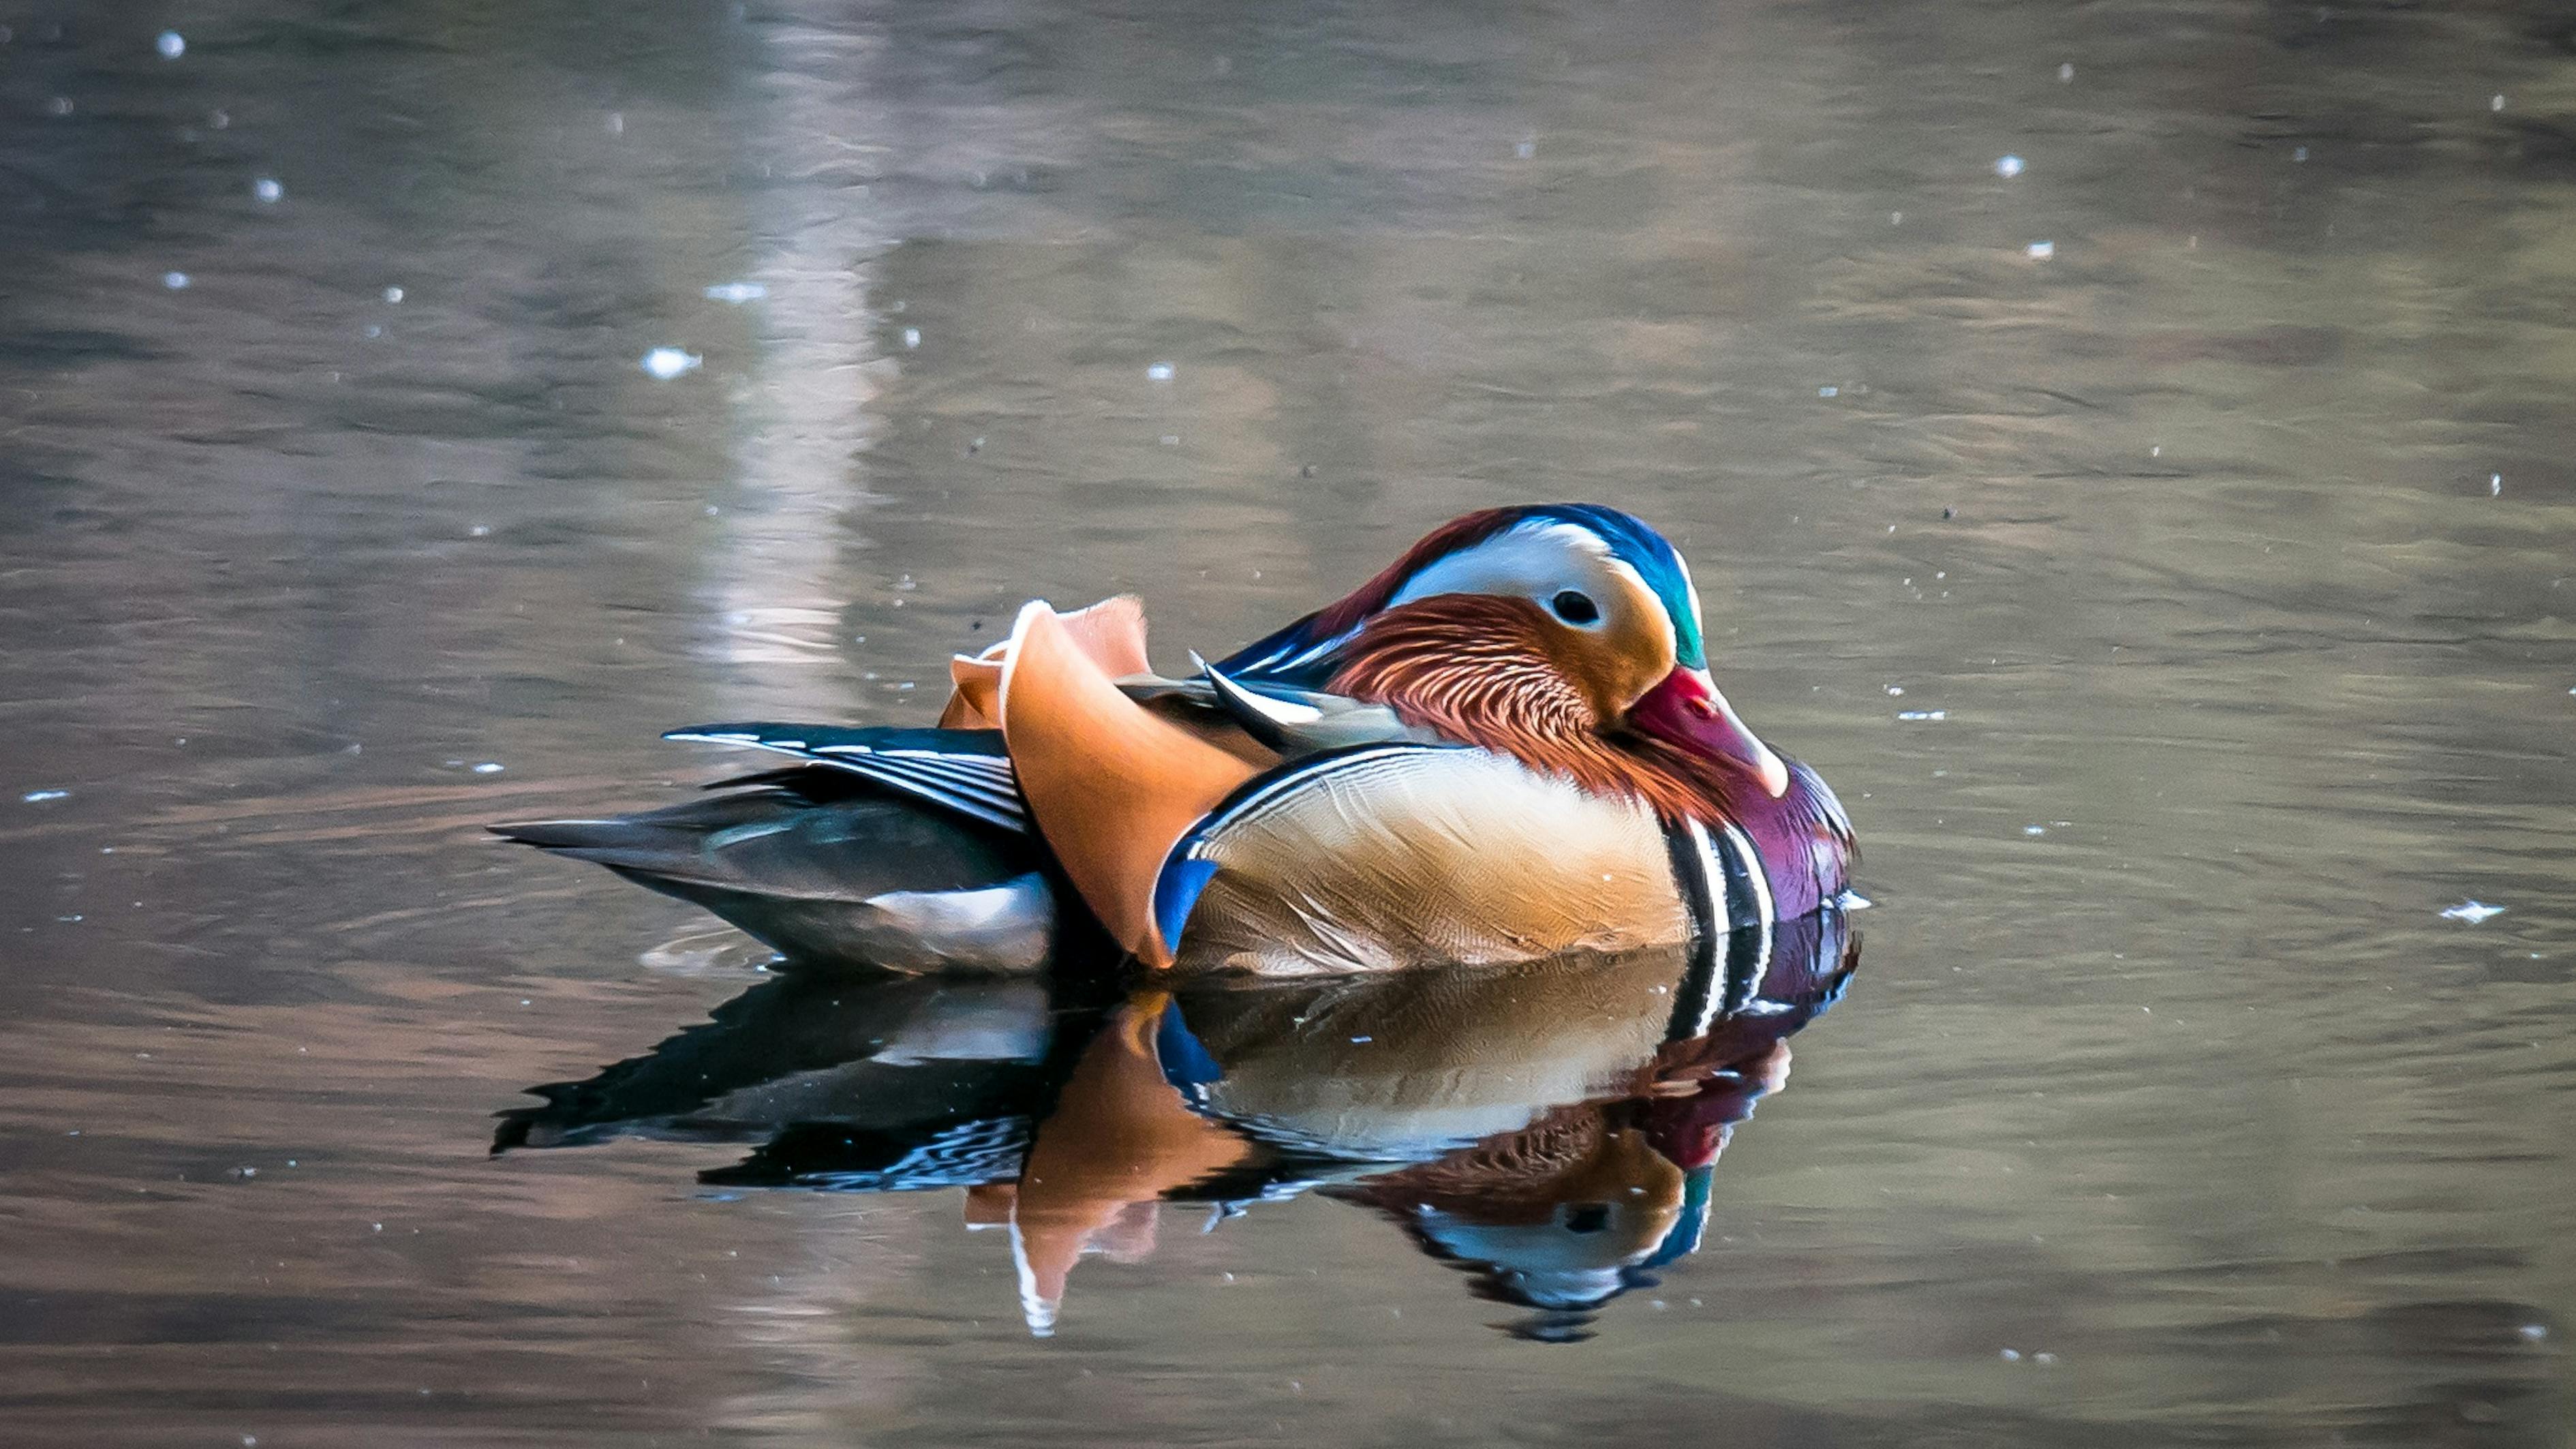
1506 745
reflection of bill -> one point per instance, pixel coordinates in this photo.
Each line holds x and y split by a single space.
1550 1129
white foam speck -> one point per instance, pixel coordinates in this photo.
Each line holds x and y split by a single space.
171 44
2066 72
1852 900
39 797
1911 715
2534 1331
2495 485
912 337
2472 911
737 292
2495 103
488 767
670 362
617 123
1829 391
1525 150
394 294
2034 830
2041 251
2010 166
1159 372
1897 689
2011 1355
175 281
268 188
2299 153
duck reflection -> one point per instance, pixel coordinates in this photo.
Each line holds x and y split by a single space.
1549 1128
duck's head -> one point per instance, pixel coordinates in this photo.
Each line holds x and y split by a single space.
1556 617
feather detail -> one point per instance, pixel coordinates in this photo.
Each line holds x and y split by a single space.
1111 785
1492 672
1110 633
1299 652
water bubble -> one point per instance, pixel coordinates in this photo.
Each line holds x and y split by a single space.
39 797
2495 485
488 767
1159 372
2041 251
61 106
2011 1355
1896 218
617 123
175 281
1525 150
670 362
2034 830
1171 440
2009 166
2495 103
737 292
171 44
2066 72
2298 153
394 294
912 337
2472 911
2533 1331
1829 391
269 189
219 119
1914 715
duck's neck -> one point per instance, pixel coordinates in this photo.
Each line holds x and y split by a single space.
1804 838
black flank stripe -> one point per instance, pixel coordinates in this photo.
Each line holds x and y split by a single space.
1690 997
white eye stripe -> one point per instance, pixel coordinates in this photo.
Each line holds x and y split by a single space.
1533 559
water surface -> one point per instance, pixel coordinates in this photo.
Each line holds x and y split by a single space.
2183 607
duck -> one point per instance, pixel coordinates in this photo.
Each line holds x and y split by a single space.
1505 745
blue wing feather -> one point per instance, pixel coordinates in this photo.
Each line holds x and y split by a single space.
964 771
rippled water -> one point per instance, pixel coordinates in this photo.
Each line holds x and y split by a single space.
2166 550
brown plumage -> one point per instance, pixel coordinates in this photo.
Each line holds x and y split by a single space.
1499 674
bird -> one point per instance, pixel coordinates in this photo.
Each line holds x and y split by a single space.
1505 745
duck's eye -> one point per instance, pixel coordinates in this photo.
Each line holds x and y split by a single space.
1576 607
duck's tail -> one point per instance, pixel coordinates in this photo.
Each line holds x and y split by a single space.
827 877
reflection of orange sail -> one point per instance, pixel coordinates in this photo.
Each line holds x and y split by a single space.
1119 1139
